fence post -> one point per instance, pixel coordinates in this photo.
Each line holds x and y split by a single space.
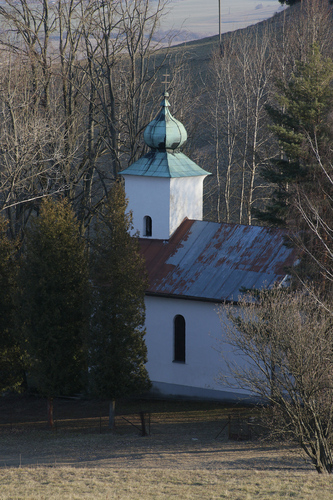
143 424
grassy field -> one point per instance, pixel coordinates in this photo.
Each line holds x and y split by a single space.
73 483
187 455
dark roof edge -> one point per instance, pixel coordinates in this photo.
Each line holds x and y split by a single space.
189 297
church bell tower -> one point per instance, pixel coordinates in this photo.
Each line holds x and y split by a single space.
164 186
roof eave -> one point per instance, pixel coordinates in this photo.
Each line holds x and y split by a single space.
149 293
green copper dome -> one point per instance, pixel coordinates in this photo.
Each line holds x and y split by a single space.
165 135
165 132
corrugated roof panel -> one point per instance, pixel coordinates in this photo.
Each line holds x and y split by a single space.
211 261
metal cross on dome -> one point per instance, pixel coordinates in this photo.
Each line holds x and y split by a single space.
165 82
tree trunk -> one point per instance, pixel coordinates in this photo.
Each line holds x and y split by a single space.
112 413
50 412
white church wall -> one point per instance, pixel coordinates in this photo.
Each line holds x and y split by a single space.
186 195
166 200
149 196
198 376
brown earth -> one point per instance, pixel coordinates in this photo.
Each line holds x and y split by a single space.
188 436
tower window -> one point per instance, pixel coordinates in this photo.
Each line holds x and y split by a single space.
147 226
179 339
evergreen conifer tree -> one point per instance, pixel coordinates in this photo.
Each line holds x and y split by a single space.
54 283
11 355
117 349
302 174
300 121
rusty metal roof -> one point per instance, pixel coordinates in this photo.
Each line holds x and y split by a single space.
212 261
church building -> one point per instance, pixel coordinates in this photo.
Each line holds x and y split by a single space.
194 266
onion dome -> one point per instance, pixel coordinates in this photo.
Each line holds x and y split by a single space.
165 135
165 132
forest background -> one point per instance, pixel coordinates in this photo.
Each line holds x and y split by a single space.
81 80
79 83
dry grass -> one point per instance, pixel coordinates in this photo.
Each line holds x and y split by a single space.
180 459
77 483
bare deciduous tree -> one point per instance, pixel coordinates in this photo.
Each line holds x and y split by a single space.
317 214
242 85
286 345
76 84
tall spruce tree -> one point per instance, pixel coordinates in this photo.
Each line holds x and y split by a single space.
302 173
117 349
11 354
54 281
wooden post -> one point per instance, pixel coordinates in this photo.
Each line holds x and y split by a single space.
143 424
50 412
112 413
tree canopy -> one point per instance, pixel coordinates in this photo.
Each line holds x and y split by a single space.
293 2
300 122
289 2
302 174
54 282
117 349
11 353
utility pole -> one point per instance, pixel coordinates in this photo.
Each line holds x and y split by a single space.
219 1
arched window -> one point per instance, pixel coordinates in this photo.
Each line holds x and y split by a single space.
179 339
147 226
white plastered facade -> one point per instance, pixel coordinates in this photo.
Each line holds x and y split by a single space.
206 350
167 201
